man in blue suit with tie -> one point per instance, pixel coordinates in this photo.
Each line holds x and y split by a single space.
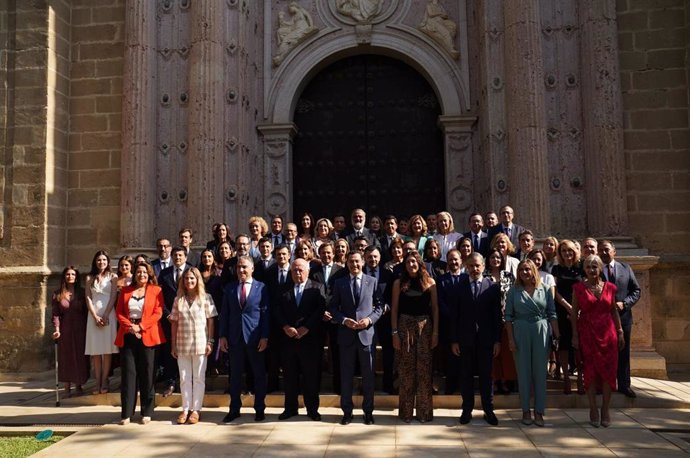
355 306
243 331
476 335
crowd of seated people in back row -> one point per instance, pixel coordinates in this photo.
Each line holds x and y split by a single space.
438 302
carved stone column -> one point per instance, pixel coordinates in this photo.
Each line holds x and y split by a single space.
603 120
458 143
206 103
138 191
526 121
277 140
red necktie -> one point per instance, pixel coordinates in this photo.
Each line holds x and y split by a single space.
243 295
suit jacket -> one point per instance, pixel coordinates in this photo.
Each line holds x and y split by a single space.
317 274
157 268
260 268
514 236
385 247
628 290
484 242
166 280
193 258
275 289
384 285
151 330
281 239
249 323
366 233
476 322
343 306
308 313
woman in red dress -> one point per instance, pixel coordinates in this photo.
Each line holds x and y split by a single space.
598 332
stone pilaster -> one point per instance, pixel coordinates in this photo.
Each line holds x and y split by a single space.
460 183
277 141
205 160
603 120
526 121
138 193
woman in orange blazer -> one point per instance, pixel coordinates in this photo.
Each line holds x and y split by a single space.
139 310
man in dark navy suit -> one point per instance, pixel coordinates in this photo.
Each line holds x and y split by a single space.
480 239
476 334
299 315
390 233
243 331
507 226
448 291
164 261
356 306
627 295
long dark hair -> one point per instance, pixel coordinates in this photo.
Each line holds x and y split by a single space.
94 270
503 258
423 275
62 291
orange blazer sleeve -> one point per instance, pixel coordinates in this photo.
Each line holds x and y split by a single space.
154 299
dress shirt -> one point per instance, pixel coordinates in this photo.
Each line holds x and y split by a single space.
247 285
327 272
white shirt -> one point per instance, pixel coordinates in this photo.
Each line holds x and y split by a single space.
136 307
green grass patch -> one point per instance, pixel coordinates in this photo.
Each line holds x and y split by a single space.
21 446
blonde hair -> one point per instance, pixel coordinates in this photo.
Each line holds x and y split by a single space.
200 288
262 224
500 236
535 273
569 244
414 218
451 225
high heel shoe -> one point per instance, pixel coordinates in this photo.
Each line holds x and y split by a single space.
605 419
552 369
594 418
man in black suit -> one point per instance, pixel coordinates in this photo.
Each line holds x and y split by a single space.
326 274
276 235
479 237
356 306
164 261
290 239
476 335
229 272
390 233
168 280
359 217
507 226
526 241
299 315
448 285
384 336
278 280
627 295
186 239
265 260
339 227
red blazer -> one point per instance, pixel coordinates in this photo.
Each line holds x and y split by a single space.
151 330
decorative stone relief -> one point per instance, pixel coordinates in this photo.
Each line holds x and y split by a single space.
438 26
362 11
292 31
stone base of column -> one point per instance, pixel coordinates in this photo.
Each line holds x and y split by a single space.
648 363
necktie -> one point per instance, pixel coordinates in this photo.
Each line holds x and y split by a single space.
612 277
476 289
298 294
355 290
275 240
326 273
509 232
243 295
476 242
178 274
372 272
281 280
455 279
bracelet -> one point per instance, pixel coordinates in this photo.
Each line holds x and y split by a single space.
394 332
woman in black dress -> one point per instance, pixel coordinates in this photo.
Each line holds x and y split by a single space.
566 273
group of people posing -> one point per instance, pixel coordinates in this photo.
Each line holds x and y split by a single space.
485 303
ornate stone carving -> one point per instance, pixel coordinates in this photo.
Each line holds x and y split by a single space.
362 11
438 26
292 31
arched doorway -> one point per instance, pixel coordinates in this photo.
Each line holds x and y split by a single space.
368 137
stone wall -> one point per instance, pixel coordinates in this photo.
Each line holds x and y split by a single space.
654 38
97 37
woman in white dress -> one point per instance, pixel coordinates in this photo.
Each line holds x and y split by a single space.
101 327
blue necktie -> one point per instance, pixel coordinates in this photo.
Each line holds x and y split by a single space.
355 290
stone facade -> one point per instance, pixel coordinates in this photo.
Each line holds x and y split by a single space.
124 120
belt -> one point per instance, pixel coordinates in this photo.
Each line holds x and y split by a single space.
135 320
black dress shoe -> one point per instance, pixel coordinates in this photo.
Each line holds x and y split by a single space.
347 419
490 418
465 418
286 414
230 417
628 392
259 416
368 419
315 416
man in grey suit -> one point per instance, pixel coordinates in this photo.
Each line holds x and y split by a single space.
627 295
355 306
507 226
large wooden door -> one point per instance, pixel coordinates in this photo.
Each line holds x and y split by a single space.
368 137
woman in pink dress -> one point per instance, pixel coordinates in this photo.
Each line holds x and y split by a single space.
598 332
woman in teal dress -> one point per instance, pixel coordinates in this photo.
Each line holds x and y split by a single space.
529 309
